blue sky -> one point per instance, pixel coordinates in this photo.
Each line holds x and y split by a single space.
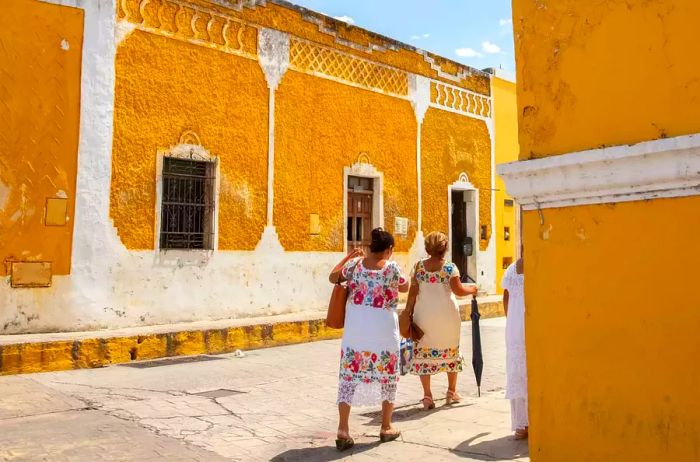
476 33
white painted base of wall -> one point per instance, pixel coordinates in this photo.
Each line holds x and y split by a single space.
146 287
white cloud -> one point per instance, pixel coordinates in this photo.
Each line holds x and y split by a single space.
468 53
346 19
505 22
490 48
421 36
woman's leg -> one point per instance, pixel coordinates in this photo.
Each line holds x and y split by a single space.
452 382
387 412
343 420
425 381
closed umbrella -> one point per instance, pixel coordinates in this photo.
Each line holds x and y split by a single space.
477 357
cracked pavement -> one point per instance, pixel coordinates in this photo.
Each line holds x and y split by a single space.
275 404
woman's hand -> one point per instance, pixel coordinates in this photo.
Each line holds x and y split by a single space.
335 277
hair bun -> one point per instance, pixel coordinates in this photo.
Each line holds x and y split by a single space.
381 240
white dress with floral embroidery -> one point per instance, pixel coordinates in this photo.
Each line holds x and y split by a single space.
369 358
437 314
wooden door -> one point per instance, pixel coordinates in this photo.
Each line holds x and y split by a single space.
359 226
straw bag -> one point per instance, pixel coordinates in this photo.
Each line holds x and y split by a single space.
335 318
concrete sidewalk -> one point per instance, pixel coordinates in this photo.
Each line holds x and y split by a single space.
28 353
275 404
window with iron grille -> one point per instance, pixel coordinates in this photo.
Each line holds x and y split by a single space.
187 210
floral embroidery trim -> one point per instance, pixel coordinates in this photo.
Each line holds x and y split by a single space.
368 366
375 289
447 272
428 361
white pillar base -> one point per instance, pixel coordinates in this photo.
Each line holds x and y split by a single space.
417 250
269 242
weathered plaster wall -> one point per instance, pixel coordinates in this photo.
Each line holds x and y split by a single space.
324 126
39 110
165 87
594 74
612 332
451 144
507 150
140 91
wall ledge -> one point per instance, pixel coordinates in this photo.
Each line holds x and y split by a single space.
662 168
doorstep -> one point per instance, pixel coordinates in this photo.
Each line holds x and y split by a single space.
29 353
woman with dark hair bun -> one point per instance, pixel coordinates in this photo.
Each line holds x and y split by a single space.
369 359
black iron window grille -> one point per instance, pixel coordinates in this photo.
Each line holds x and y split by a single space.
187 210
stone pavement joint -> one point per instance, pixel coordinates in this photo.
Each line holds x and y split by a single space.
21 354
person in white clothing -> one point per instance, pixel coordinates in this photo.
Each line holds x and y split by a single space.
516 366
434 284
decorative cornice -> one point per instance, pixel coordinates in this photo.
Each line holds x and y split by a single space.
312 58
455 99
650 170
185 21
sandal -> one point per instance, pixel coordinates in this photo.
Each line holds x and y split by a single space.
391 436
452 397
428 403
521 434
343 444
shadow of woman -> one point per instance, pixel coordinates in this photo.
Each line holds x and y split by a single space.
410 412
504 448
322 454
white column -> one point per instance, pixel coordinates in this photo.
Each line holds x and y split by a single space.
419 92
273 55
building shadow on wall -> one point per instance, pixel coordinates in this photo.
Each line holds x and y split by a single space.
504 448
322 454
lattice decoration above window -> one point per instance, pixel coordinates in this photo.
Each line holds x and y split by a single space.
459 100
318 60
191 23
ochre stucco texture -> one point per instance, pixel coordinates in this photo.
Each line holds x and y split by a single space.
612 327
324 126
594 74
166 87
507 149
40 117
451 144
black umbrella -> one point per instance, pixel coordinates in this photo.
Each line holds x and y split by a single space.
477 357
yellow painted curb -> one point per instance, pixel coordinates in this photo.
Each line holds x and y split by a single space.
27 358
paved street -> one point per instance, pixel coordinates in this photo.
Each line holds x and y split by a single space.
276 404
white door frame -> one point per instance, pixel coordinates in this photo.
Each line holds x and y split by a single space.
463 184
364 170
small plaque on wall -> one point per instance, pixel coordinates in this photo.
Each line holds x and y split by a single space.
401 226
30 274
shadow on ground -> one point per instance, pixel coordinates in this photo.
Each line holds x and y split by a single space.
409 412
322 454
505 448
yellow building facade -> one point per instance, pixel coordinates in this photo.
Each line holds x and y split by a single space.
214 159
609 167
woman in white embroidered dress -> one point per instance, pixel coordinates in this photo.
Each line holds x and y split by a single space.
516 366
369 358
434 284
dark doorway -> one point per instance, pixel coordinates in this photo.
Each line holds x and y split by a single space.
462 243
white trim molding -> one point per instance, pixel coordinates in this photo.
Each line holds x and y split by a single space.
189 148
362 168
662 168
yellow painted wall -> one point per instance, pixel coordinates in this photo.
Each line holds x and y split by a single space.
451 144
40 114
594 74
612 323
324 126
165 87
507 150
